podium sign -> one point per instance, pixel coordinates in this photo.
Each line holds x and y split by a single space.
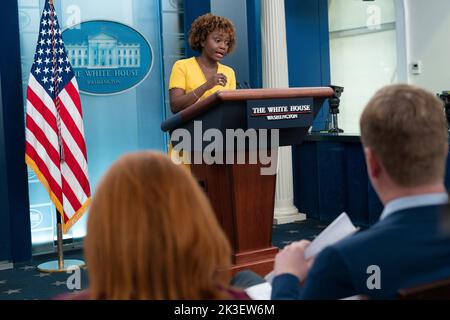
277 114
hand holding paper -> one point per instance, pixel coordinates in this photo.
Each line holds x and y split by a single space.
292 260
340 228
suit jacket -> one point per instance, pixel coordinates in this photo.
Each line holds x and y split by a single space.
409 247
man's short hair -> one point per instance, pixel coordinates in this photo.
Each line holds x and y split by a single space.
406 128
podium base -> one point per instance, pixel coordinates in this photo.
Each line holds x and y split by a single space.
261 267
53 266
260 261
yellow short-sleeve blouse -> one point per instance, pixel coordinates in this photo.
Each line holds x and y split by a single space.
187 75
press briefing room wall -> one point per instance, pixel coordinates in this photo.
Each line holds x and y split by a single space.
308 58
307 55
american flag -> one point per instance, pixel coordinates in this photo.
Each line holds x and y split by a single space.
55 146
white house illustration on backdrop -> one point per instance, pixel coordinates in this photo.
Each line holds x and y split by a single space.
104 52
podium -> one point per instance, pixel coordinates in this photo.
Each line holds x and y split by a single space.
241 196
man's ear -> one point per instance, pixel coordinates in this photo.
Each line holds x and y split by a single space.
373 164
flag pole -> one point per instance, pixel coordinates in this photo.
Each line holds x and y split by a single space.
60 265
59 239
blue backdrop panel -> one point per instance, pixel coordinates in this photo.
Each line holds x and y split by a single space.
332 176
307 36
15 234
4 201
192 10
306 182
254 42
357 181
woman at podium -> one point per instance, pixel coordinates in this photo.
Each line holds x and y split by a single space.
198 77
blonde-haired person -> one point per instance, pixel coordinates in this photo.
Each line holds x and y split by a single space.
405 139
151 238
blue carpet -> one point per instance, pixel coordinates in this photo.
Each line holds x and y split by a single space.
287 233
25 282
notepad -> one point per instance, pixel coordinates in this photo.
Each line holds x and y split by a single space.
260 291
339 229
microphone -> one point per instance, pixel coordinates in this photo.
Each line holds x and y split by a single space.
243 85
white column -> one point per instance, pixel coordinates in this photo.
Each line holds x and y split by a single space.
275 75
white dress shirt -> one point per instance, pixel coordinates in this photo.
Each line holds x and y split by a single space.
423 200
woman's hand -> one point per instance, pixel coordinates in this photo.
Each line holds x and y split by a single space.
179 100
219 79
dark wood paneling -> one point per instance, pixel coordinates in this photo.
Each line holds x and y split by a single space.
243 200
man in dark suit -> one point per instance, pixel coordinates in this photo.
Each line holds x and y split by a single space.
405 139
